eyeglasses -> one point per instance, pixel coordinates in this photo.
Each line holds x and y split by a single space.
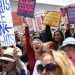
4 62
36 43
47 67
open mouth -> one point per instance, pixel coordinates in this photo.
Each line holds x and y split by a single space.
37 48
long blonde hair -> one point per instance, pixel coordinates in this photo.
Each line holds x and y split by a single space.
61 59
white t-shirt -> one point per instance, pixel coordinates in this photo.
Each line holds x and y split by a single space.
2 73
35 68
24 66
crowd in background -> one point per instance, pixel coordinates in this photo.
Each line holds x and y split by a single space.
42 53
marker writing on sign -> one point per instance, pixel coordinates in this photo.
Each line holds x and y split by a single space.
4 5
4 28
9 37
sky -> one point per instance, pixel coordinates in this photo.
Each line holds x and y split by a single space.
56 2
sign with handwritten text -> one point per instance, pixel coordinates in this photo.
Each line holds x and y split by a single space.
7 37
26 8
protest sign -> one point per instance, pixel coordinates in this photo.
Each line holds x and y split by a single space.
71 15
26 8
17 20
38 22
7 37
52 18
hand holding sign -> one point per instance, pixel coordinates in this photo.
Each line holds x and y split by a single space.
25 22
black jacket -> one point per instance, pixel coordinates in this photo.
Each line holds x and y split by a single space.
46 35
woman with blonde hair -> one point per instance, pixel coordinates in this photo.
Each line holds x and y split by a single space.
55 63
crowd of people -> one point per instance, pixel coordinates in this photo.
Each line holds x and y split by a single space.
40 54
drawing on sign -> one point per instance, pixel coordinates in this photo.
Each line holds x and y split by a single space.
4 28
4 5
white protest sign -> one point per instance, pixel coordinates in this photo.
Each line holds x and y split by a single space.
7 37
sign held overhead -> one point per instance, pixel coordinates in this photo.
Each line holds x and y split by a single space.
26 8
7 37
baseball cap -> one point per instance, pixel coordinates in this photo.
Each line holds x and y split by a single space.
68 41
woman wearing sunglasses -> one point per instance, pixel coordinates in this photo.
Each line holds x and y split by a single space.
54 64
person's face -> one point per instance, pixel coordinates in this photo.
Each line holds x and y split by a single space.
23 40
37 45
70 51
8 66
48 46
72 30
57 36
49 66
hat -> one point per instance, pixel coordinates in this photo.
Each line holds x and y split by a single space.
8 54
68 41
36 36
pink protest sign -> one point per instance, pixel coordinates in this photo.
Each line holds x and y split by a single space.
26 8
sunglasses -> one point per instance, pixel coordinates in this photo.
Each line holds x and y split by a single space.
4 62
47 67
36 44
